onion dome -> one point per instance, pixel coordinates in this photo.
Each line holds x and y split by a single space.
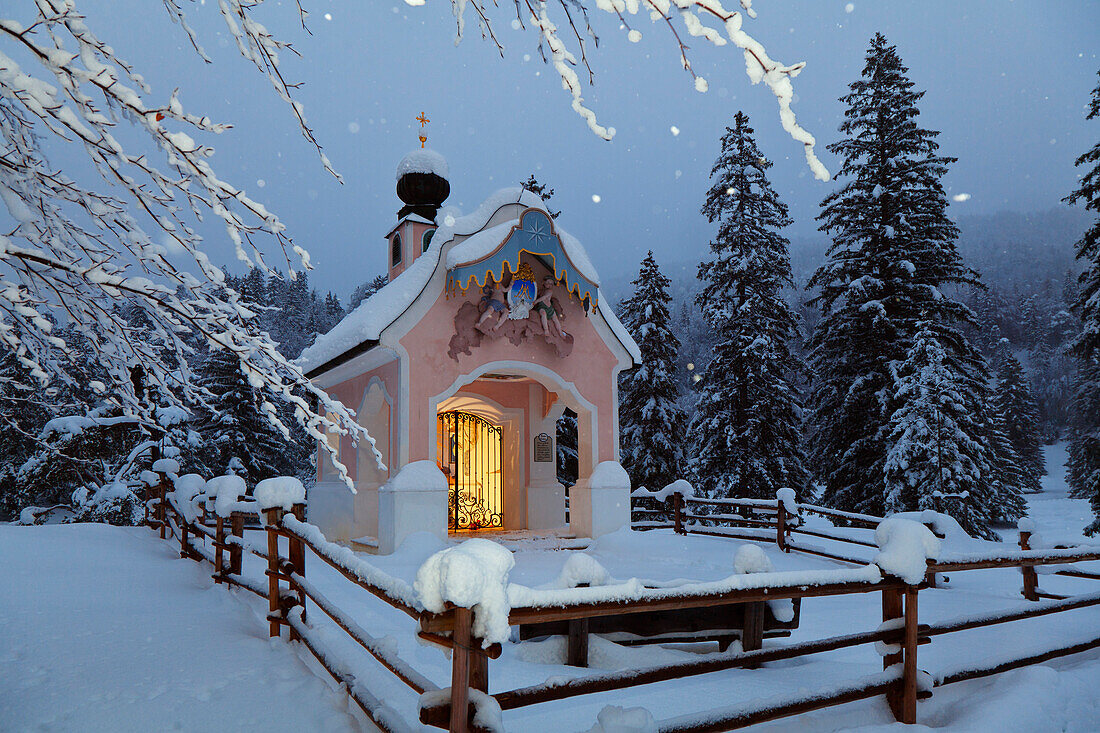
422 183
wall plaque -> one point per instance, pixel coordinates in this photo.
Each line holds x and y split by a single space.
544 448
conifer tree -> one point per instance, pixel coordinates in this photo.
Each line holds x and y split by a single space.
238 438
892 253
745 435
543 191
1017 415
937 458
366 290
1008 482
567 456
1083 469
651 421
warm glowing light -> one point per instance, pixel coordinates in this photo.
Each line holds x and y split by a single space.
470 451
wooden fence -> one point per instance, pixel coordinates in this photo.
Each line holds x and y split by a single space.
288 591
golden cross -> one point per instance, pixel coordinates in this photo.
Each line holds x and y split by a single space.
423 121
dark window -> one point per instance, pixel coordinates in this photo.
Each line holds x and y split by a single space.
428 239
395 250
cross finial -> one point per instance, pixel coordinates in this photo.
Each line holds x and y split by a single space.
423 121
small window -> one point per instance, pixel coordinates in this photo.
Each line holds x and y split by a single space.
395 251
428 239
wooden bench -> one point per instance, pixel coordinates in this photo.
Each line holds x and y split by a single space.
750 623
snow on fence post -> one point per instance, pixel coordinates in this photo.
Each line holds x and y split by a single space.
219 549
678 514
227 491
785 504
275 497
905 547
162 500
236 552
297 552
469 582
1031 578
272 518
675 494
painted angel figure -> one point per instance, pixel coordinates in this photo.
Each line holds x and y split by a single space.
543 305
496 305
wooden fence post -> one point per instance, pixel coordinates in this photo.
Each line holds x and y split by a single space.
272 517
461 638
576 642
297 553
1031 578
678 514
902 696
892 610
909 669
236 552
162 508
147 494
219 547
781 526
752 632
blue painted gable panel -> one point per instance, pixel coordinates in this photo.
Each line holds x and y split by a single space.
534 235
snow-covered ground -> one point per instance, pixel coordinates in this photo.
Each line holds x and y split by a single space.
107 629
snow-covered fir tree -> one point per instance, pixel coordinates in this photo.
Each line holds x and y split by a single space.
745 435
651 422
892 254
1017 415
567 457
1008 481
364 291
543 191
1083 467
238 438
937 458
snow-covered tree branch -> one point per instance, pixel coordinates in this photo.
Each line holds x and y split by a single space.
77 249
76 253
564 29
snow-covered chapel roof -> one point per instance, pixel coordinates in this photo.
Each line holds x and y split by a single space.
364 325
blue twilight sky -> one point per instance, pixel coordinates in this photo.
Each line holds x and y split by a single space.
1007 85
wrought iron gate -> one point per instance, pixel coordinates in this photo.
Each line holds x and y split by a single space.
471 451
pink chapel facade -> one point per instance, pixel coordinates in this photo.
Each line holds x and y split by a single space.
491 326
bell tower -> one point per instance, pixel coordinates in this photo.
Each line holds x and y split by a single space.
423 187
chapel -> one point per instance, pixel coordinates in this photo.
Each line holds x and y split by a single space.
491 325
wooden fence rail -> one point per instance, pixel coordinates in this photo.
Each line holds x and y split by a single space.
288 590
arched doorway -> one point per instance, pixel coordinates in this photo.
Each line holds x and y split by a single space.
471 454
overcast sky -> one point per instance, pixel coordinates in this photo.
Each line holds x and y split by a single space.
1007 84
